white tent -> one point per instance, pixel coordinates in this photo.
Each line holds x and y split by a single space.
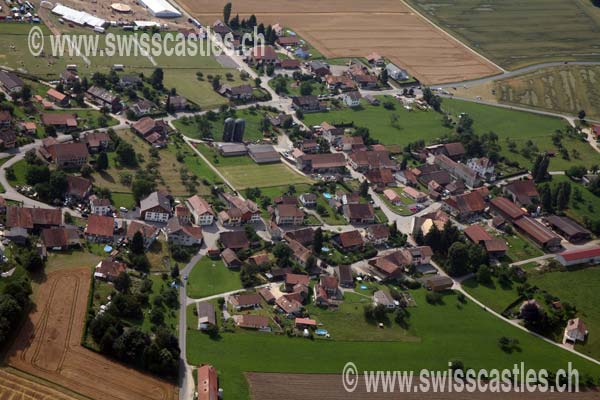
78 17
161 8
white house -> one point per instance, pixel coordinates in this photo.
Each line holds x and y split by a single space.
482 166
381 297
352 99
201 211
575 331
182 234
156 207
396 73
100 206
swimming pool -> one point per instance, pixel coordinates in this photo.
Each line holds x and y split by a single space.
327 195
321 332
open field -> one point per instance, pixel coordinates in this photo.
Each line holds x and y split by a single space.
493 295
48 346
188 127
429 54
580 289
15 387
255 175
586 208
516 33
449 331
565 89
210 277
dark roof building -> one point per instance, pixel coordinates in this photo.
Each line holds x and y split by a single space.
541 235
568 228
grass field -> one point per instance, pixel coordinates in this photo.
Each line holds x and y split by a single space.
253 131
494 296
579 288
520 248
516 33
565 89
448 332
587 208
20 170
210 277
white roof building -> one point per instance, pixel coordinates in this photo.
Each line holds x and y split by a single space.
78 17
161 8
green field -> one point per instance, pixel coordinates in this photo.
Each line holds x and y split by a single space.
493 295
188 127
520 248
578 86
515 33
587 208
20 169
579 288
447 332
210 277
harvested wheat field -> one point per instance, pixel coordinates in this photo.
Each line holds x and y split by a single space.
355 29
48 346
15 387
267 386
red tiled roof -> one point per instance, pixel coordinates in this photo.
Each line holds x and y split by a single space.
581 254
351 239
477 234
294 279
507 207
208 386
100 225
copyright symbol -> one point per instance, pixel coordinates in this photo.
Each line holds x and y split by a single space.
35 41
349 377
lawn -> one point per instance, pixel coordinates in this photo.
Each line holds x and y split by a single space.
58 260
20 169
292 88
578 85
448 332
516 33
582 210
410 126
252 132
210 277
493 295
520 248
120 199
265 175
579 288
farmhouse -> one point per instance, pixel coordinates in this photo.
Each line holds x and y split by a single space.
454 150
250 321
506 208
466 205
231 259
206 315
67 155
263 153
364 160
183 234
153 131
318 68
263 55
96 141
322 163
308 103
244 301
568 228
60 238
77 187
10 82
350 241
208 386
378 234
292 280
100 228
524 192
495 247
590 255
240 211
202 212
267 296
359 213
541 235
149 232
104 98
109 269
241 92
60 121
156 207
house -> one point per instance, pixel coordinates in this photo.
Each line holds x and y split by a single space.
438 283
495 247
291 280
3 205
156 207
109 269
208 386
541 235
142 107
263 55
104 98
57 97
97 141
589 255
352 99
244 301
327 290
68 77
340 83
300 253
378 234
183 234
250 321
344 275
32 218
28 127
414 194
364 160
8 139
568 228
241 92
202 212
177 103
259 259
126 81
77 187
289 64
390 266
392 197
68 155
281 120
149 232
60 121
483 166
60 238
100 228
308 103
288 214
309 146
322 163
351 143
206 315
375 59
240 211
575 331
523 192
359 213
305 323
350 240
263 153
396 73
267 296
231 259
303 236
234 240
100 206
308 200
289 305
454 150
287 200
183 214
285 41
10 82
153 131
220 29
465 206
506 208
380 178
318 68
381 297
330 132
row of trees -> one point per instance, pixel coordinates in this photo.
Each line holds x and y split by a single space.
14 301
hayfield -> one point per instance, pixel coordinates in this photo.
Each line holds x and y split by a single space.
566 89
516 33
254 175
339 29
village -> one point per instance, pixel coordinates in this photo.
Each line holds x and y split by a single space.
322 201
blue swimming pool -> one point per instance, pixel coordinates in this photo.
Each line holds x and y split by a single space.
325 249
321 332
107 249
327 195
363 287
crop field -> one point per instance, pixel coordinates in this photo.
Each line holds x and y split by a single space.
516 33
254 175
48 346
565 89
15 387
339 29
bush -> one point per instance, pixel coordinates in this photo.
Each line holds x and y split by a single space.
433 298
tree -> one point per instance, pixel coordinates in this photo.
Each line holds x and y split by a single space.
383 77
102 161
581 115
484 275
540 168
122 282
137 243
363 189
227 13
318 241
175 272
142 187
306 88
32 261
576 171
126 154
156 79
86 171
458 259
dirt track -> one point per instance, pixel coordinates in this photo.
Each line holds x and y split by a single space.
351 28
267 386
48 346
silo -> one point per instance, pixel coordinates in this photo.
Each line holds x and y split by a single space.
228 130
238 132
